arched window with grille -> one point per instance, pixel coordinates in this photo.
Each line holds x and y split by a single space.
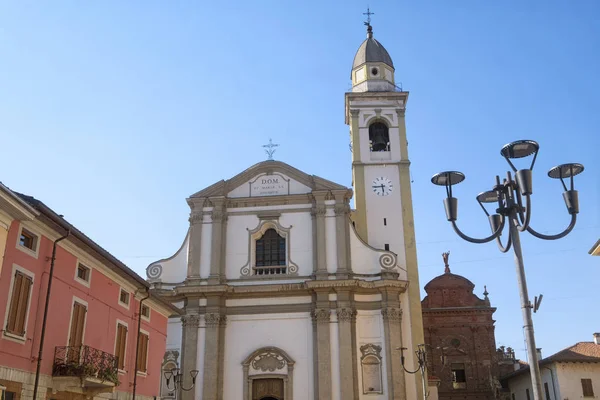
379 137
270 254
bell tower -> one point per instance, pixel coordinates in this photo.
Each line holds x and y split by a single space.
383 216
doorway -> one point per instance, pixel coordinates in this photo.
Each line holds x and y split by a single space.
267 389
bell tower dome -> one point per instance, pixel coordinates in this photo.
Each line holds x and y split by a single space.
372 69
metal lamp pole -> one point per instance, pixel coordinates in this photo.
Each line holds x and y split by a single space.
509 195
177 377
421 353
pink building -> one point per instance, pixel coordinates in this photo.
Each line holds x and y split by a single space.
91 335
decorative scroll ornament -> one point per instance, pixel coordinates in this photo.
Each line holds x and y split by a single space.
154 271
346 314
215 319
392 314
321 315
268 361
370 349
171 356
388 261
191 320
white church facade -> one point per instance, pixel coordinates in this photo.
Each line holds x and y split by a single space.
286 292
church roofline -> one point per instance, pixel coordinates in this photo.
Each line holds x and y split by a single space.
222 187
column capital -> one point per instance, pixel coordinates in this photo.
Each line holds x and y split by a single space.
392 314
196 217
321 315
215 319
191 320
346 314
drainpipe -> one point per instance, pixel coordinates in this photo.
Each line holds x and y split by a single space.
137 344
43 333
553 386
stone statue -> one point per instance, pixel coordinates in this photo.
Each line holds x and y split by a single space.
445 256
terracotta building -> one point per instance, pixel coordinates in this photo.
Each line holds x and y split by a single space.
93 316
459 329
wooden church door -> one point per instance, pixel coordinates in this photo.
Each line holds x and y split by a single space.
267 389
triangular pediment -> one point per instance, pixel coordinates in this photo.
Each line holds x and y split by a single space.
268 178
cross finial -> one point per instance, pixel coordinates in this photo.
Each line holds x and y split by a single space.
368 14
270 149
445 256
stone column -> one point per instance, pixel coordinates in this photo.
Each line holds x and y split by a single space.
214 343
318 213
346 315
189 344
195 240
342 234
217 257
321 315
392 331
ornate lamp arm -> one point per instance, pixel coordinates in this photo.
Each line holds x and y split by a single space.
494 235
506 248
526 218
557 236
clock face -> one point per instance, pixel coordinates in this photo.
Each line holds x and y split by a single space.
382 186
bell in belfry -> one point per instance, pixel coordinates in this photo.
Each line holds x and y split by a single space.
378 135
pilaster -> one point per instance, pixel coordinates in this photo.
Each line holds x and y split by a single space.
342 234
218 241
392 331
346 316
321 319
413 308
189 348
195 240
215 320
318 213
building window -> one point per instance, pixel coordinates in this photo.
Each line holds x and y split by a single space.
142 352
124 298
588 389
459 377
9 396
270 254
145 311
83 273
379 138
16 320
527 394
120 345
547 391
28 240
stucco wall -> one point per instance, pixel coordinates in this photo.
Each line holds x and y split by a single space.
290 332
101 298
520 383
570 375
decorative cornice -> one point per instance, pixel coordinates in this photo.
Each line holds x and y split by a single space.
215 319
392 314
346 314
321 315
191 320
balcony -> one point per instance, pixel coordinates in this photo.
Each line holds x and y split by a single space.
85 370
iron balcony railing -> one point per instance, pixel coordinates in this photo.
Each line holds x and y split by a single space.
85 362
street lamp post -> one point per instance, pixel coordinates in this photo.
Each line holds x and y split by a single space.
177 376
421 353
509 195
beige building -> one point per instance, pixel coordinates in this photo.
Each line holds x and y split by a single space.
572 373
287 292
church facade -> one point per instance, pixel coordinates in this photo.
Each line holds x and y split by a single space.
288 293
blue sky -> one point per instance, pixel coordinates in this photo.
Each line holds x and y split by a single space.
112 113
